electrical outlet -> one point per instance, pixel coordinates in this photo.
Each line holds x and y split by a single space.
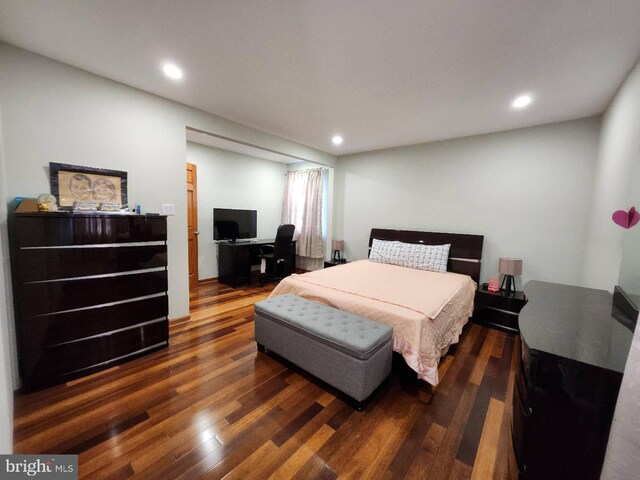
168 209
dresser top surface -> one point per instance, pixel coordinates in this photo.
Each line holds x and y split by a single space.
92 214
574 323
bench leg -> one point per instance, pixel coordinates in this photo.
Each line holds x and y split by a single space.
261 347
359 406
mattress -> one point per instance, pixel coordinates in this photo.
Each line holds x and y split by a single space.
427 310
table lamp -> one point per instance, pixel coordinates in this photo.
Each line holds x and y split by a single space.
337 246
509 267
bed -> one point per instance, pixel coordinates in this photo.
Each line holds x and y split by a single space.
427 310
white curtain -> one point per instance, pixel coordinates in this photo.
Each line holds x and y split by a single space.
302 207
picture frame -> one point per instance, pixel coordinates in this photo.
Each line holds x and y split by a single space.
75 183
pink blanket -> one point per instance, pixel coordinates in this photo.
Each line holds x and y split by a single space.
427 310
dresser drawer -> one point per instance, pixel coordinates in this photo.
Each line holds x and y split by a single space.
503 302
67 295
49 330
494 317
517 453
38 264
60 229
62 363
520 426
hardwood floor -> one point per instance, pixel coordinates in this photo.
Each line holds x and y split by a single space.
210 405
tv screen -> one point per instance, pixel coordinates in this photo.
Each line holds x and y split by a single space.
229 224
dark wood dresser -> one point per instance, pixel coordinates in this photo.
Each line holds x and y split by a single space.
90 292
573 354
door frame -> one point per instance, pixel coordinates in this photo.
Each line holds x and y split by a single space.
194 195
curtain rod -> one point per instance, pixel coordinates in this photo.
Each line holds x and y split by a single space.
307 169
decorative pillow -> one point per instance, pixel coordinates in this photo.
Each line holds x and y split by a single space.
412 255
384 251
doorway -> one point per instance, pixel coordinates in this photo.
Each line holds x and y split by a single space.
192 223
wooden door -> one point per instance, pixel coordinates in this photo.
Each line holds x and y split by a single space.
192 223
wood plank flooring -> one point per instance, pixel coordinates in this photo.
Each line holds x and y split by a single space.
211 406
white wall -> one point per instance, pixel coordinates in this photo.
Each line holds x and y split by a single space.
54 112
619 159
619 152
629 278
232 180
527 191
6 332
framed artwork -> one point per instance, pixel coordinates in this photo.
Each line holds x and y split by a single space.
74 183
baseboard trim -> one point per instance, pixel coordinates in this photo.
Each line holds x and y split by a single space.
176 320
207 280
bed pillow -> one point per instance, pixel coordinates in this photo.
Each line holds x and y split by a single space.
412 255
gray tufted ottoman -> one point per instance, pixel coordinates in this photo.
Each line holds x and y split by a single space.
348 351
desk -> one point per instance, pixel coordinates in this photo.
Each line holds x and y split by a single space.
235 260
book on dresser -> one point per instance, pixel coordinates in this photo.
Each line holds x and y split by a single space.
90 292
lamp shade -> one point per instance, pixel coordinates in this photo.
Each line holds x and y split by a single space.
337 245
510 266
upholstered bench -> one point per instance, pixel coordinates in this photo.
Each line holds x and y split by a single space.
347 351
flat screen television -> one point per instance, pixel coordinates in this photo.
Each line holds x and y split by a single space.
231 224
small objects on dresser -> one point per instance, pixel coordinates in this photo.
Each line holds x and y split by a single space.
26 205
110 207
47 203
494 284
85 206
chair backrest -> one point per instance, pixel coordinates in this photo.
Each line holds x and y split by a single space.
282 245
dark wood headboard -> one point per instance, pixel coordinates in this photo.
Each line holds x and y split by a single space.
465 254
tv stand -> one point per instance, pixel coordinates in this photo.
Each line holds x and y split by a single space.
236 258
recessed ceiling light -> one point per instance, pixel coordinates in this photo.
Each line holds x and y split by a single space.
337 140
172 71
521 102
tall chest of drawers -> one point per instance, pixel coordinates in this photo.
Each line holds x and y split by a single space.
90 292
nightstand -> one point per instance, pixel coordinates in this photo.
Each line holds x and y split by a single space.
498 310
331 263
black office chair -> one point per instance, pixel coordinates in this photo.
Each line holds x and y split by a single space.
274 259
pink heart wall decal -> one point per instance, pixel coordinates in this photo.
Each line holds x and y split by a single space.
626 219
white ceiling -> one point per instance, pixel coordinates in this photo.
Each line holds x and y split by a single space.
379 72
